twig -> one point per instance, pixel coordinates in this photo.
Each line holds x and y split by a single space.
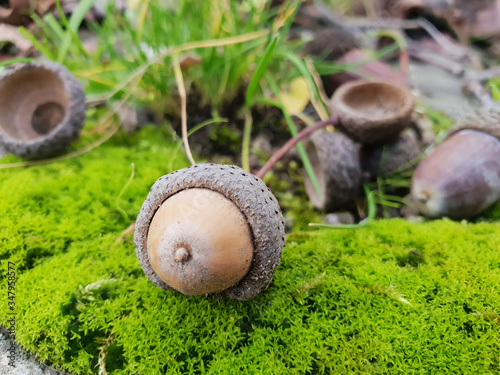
130 229
182 93
431 58
453 49
292 142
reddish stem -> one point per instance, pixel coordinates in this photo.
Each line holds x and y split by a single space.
292 142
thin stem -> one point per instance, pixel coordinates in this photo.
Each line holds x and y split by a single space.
123 212
245 148
182 93
292 142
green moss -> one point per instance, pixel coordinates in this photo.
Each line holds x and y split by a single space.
394 297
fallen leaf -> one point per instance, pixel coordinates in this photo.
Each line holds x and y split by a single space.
10 35
371 70
17 12
396 8
469 19
188 61
296 96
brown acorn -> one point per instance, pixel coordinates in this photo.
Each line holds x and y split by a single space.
372 112
335 161
210 229
461 177
42 109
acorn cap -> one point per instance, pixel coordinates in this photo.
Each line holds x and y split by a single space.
335 161
248 194
42 109
483 120
371 112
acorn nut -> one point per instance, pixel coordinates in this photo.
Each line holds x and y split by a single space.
371 112
461 177
210 229
335 161
42 109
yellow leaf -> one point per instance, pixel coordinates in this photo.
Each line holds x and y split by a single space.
296 96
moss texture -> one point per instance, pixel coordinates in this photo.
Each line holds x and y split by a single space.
393 297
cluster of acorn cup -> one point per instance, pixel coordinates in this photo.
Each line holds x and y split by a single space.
459 179
375 137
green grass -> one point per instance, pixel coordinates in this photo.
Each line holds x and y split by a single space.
392 298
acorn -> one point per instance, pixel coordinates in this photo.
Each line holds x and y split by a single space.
210 229
379 159
42 109
335 161
461 177
372 112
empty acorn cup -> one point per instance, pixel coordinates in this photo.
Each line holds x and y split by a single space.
371 112
42 109
210 229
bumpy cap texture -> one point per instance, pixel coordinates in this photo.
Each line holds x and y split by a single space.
335 160
64 132
249 194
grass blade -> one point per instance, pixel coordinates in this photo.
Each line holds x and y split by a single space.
245 148
72 32
259 72
300 147
34 41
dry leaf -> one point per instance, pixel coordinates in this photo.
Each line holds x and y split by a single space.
10 34
468 18
16 13
396 8
188 61
296 96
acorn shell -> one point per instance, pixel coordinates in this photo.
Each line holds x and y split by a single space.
460 178
249 194
371 112
42 109
335 160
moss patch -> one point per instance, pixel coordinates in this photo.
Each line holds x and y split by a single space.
391 298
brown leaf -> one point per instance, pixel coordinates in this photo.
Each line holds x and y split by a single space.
469 18
373 70
11 34
396 8
16 14
188 61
